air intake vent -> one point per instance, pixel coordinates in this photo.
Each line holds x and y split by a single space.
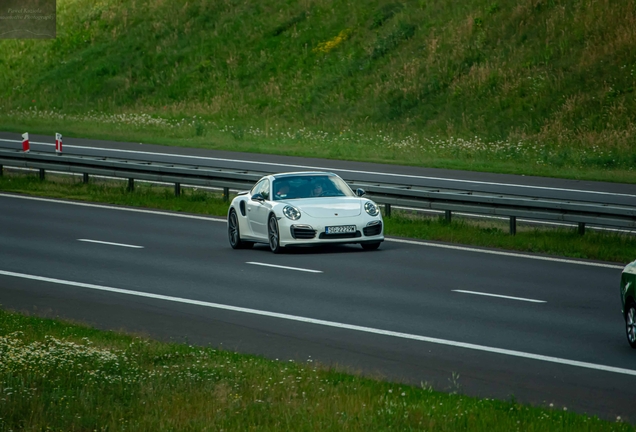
340 236
373 230
304 232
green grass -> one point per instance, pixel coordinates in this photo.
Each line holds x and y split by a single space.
534 87
605 246
56 375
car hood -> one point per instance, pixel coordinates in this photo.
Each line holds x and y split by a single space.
331 207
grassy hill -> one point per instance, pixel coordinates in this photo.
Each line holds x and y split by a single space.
505 85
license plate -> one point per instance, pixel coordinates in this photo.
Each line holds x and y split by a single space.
343 229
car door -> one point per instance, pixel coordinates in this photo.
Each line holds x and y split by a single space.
258 210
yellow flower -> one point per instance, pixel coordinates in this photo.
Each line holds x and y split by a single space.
325 47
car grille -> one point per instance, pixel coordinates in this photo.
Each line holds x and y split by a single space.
303 232
373 230
340 236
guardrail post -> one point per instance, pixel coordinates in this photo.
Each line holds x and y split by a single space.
581 228
177 189
41 173
131 184
226 194
448 215
85 178
387 210
513 225
1 170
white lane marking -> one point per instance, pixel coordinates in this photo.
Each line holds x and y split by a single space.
504 218
396 240
511 254
337 169
500 296
333 324
111 244
284 267
111 207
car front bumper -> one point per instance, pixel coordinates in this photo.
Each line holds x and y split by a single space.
312 232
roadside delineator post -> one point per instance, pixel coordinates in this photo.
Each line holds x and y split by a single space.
25 142
58 143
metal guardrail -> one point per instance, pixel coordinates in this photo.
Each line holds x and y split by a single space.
447 200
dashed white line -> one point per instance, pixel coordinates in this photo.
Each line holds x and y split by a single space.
371 330
500 296
110 243
396 240
284 267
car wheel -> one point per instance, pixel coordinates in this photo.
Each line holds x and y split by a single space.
630 324
273 234
370 246
234 233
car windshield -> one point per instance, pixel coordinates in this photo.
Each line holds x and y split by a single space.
310 186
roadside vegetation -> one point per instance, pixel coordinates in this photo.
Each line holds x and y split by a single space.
562 241
56 375
540 87
535 87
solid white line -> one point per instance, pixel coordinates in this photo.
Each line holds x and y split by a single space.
336 169
284 267
504 218
511 254
413 242
110 207
500 296
111 244
333 324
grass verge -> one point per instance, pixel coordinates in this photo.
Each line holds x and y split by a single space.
604 246
56 375
472 154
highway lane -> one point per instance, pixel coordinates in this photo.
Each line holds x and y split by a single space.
601 192
402 288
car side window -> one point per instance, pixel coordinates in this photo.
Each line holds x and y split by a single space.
265 189
258 188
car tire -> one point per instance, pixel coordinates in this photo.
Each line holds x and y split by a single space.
630 324
370 246
234 232
273 234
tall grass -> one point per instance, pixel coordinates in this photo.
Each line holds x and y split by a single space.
533 86
56 375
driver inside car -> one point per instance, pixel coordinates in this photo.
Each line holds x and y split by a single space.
317 190
282 190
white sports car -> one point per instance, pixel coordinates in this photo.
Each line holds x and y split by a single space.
303 208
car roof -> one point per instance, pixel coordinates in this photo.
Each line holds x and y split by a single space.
302 173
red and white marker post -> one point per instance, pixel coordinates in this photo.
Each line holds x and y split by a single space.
25 142
58 143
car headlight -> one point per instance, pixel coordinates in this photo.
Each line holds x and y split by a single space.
371 208
291 212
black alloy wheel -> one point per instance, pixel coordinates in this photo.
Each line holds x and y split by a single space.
370 246
273 234
630 324
234 233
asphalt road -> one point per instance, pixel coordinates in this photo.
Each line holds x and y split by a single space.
540 187
556 337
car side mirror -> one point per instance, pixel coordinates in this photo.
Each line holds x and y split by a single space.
258 197
360 192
